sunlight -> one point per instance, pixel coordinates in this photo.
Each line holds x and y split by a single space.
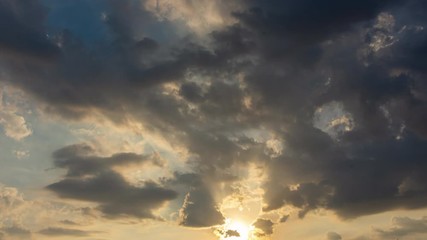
236 230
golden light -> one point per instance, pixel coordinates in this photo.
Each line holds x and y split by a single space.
236 230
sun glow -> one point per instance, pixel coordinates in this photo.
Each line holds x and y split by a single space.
236 230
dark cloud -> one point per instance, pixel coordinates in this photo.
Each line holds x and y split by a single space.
91 178
366 169
57 232
199 208
80 160
24 34
125 60
404 227
17 232
231 233
265 225
284 218
333 236
386 174
69 222
319 19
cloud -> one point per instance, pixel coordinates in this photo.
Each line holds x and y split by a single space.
403 227
20 154
284 218
58 232
333 236
265 225
69 222
199 208
332 172
21 215
24 35
80 160
17 232
13 123
231 233
92 178
200 17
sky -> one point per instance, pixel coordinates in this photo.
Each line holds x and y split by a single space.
213 119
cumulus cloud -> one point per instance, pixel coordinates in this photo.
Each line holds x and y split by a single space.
14 124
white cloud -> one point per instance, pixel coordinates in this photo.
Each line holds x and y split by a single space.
20 154
200 16
14 124
17 211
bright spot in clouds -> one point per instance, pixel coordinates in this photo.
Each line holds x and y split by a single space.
236 230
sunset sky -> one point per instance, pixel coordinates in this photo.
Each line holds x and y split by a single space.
213 119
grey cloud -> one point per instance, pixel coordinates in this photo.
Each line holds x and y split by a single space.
232 233
349 185
284 218
199 208
17 232
24 34
265 225
57 232
363 171
333 236
80 160
69 222
119 65
90 178
403 227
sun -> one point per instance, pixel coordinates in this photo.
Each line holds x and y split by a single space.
236 230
